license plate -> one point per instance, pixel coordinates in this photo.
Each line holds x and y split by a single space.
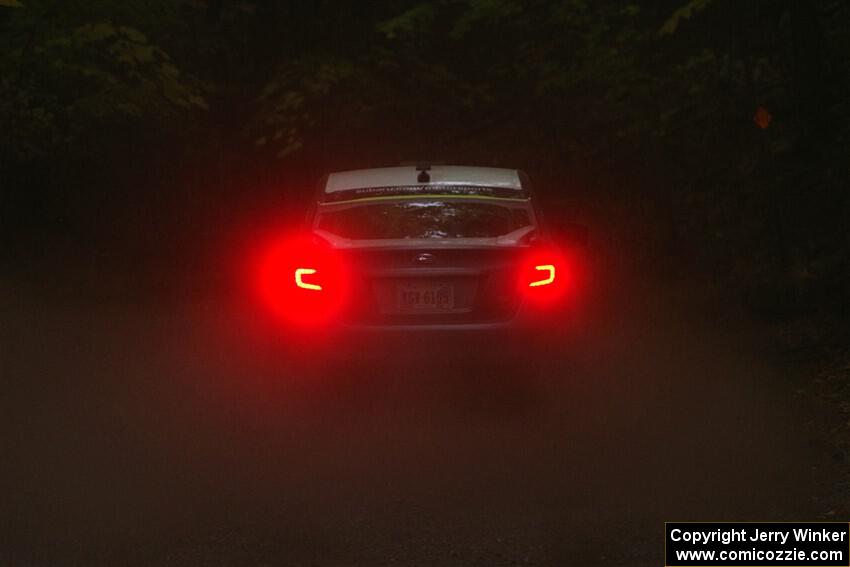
420 297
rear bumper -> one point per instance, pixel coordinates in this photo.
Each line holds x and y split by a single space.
526 320
524 337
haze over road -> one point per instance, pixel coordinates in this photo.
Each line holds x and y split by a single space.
178 433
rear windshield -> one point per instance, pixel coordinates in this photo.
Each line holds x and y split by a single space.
424 219
420 189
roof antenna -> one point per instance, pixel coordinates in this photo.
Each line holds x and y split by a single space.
423 177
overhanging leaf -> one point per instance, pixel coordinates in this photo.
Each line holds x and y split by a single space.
684 13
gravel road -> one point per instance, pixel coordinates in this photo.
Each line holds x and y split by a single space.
143 432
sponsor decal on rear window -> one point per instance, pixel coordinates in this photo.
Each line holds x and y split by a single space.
430 189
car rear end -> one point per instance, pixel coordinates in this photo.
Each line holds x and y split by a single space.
443 251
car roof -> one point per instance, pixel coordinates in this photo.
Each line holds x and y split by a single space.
445 175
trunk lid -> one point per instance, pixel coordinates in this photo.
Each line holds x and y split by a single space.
444 283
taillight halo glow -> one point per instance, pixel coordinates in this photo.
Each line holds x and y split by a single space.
302 281
544 276
550 268
299 279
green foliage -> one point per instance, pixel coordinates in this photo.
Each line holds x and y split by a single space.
409 21
684 13
286 102
483 13
62 83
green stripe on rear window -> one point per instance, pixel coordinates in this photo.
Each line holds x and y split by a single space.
429 196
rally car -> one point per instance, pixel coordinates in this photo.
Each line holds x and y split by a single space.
423 248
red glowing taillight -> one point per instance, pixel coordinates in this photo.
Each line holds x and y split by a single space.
544 276
548 279
302 280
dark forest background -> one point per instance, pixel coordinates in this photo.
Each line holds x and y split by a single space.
705 139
